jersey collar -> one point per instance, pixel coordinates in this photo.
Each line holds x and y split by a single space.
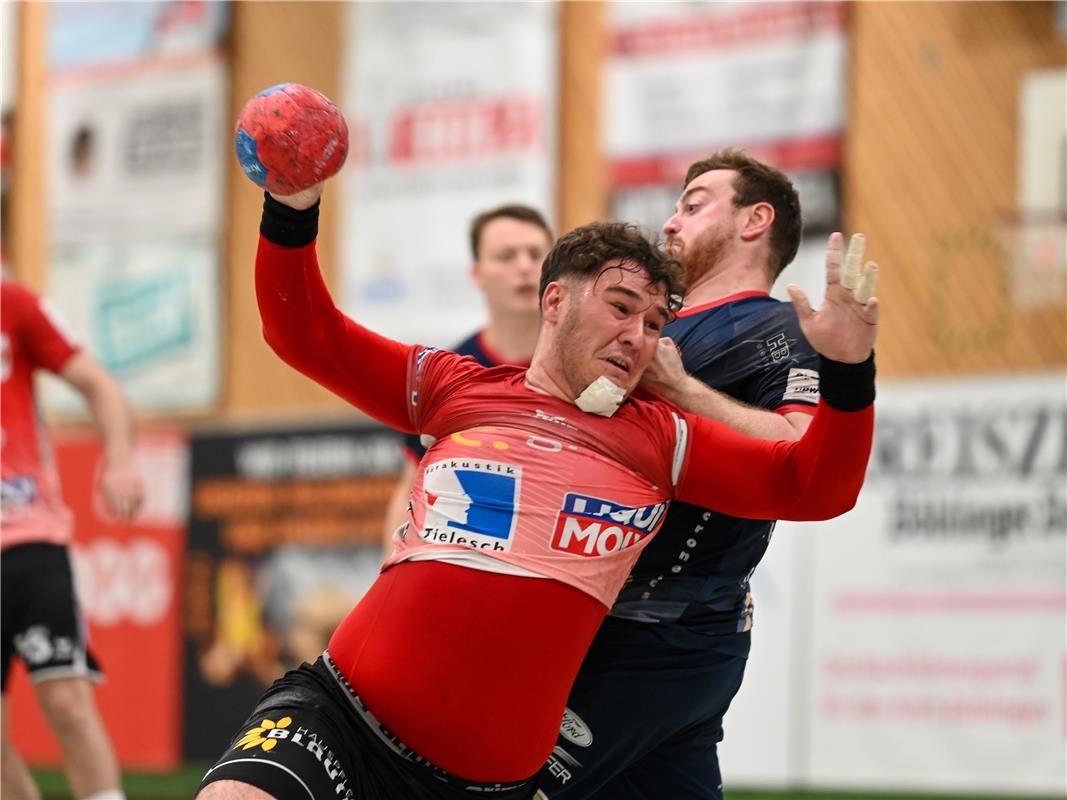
730 298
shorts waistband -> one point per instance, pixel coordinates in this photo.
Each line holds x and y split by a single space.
393 743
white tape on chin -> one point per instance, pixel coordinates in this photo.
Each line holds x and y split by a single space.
600 397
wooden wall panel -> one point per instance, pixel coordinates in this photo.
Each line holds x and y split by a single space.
930 163
28 248
582 180
273 43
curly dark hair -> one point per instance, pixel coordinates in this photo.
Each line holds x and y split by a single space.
587 250
757 182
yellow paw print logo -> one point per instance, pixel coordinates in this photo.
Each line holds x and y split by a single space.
261 735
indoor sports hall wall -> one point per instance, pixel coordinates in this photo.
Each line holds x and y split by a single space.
930 172
916 643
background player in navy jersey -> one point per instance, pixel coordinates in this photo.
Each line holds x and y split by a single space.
645 715
508 244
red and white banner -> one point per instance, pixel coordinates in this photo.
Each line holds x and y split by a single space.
685 79
452 108
128 577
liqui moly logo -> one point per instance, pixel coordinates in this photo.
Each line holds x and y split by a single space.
589 526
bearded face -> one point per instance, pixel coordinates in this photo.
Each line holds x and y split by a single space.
709 247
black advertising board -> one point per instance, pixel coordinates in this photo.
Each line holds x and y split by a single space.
284 537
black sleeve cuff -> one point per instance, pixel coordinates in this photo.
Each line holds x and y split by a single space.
846 387
286 226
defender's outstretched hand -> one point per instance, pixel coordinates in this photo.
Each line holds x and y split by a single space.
846 324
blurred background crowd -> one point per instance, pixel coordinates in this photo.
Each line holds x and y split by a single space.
917 644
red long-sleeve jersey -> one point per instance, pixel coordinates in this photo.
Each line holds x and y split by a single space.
527 515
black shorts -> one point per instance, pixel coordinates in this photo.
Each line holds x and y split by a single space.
39 617
311 737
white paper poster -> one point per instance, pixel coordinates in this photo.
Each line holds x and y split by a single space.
939 630
452 109
136 139
138 153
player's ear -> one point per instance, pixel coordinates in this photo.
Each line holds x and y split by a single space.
552 301
757 221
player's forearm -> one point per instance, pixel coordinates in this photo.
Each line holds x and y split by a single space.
694 396
304 327
817 477
113 419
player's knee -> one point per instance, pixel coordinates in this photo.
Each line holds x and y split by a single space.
67 704
232 790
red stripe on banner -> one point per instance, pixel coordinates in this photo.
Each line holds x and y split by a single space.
942 603
760 23
464 129
812 153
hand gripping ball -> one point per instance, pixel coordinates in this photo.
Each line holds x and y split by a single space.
289 138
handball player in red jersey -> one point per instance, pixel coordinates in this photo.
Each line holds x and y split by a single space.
542 486
42 623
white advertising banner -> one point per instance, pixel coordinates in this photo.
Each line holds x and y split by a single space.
138 152
939 629
9 51
760 727
148 311
136 139
452 111
685 79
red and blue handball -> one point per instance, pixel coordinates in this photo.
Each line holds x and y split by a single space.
289 138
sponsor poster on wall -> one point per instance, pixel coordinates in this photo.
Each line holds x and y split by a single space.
685 79
128 580
135 153
285 536
938 629
148 310
452 109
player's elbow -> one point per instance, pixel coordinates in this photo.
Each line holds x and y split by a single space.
283 345
827 507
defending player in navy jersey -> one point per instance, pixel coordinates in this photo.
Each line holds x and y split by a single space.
645 714
508 244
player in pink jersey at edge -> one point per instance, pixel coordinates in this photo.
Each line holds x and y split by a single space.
543 484
42 623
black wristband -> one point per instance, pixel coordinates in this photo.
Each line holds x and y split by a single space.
287 226
847 387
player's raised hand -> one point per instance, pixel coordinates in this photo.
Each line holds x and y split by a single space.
303 199
845 326
289 139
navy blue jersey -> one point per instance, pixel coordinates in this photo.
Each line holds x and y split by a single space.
474 347
696 569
